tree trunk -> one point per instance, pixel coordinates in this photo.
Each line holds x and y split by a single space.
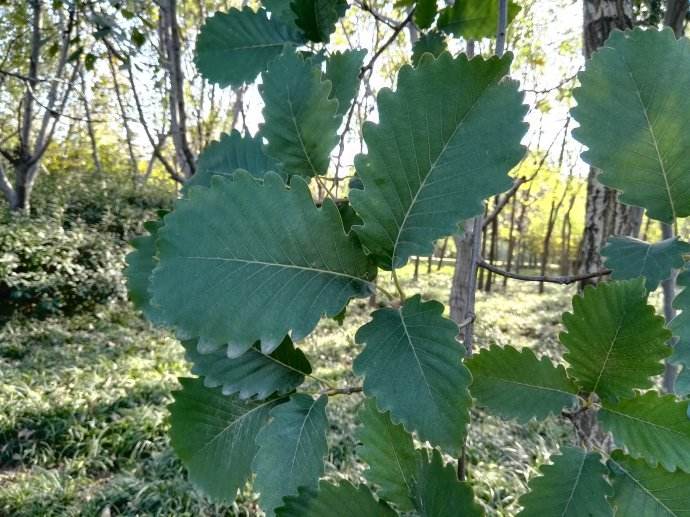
676 13
129 135
442 256
493 249
511 240
604 216
170 48
89 126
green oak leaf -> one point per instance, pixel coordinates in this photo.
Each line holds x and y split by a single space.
232 152
412 366
291 451
425 13
233 48
317 18
300 117
140 264
342 70
574 485
639 141
518 385
680 326
652 427
425 171
630 258
253 374
233 270
615 341
640 490
473 19
390 453
343 500
432 42
438 493
213 435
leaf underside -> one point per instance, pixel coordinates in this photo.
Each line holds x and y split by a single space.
572 486
639 141
630 258
518 385
680 326
652 427
473 19
640 490
140 263
233 48
342 70
343 500
291 451
426 167
213 435
259 273
413 350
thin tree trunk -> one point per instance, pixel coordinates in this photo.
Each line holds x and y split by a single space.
676 13
129 136
604 216
511 240
493 248
415 275
442 256
89 126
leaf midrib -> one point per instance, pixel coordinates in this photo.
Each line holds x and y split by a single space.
460 124
575 485
644 488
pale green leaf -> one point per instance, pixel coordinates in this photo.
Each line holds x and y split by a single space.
390 453
680 326
233 48
615 341
432 43
518 385
426 167
140 264
253 374
317 18
214 437
234 270
574 485
474 19
343 500
412 366
232 152
291 451
629 258
342 70
300 117
631 107
652 427
438 493
643 491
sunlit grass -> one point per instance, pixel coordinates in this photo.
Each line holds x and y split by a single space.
83 419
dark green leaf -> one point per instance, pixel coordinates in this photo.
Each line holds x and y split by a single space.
474 19
317 18
280 9
253 374
643 491
233 48
424 172
518 385
389 451
300 117
138 38
630 258
424 13
438 493
342 69
572 486
343 500
292 447
615 341
259 272
412 366
430 43
636 140
232 152
652 427
214 437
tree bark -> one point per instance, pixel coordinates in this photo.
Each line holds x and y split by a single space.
604 215
89 126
